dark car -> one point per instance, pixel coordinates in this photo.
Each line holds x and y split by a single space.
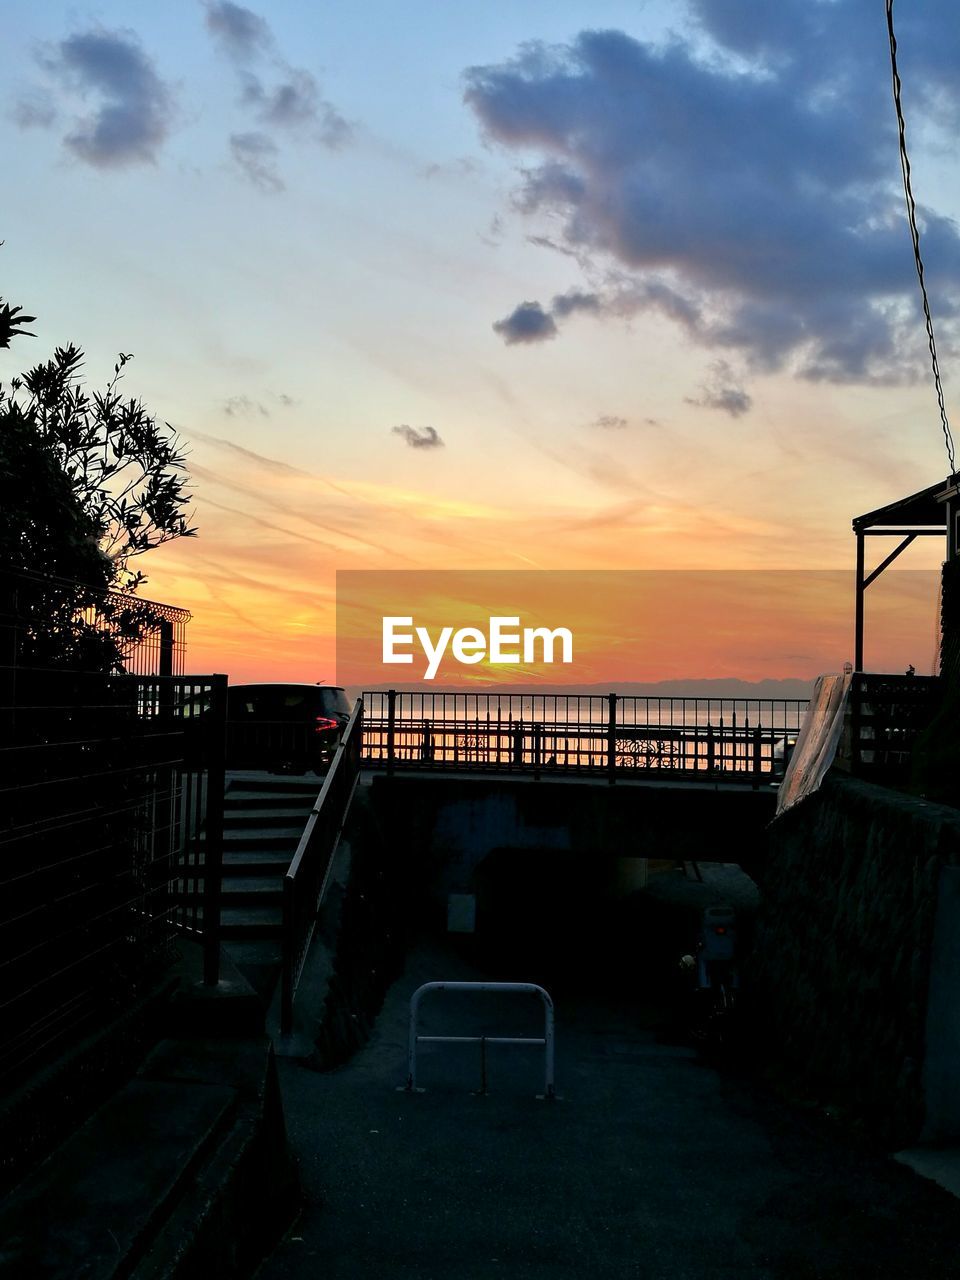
284 727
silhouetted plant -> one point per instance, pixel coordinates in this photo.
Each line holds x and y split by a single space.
88 481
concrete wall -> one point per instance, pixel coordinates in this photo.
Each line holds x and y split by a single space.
450 825
844 948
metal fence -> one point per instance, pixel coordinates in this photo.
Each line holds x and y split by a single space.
49 621
185 716
885 715
305 882
738 739
111 795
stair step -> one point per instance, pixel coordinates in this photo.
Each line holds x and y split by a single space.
280 817
251 922
236 891
269 799
246 862
265 785
263 839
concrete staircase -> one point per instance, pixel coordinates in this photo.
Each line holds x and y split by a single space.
263 820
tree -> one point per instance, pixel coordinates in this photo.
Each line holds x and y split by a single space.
88 482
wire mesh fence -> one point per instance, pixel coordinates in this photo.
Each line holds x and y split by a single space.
109 794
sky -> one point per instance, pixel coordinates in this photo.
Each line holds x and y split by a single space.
536 285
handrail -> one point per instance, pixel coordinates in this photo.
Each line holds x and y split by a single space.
306 879
527 988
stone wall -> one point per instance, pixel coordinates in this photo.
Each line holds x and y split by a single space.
844 943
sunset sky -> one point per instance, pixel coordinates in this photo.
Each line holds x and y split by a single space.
511 285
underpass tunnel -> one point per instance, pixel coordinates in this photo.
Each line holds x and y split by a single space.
559 918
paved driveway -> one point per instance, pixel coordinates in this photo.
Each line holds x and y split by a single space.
653 1166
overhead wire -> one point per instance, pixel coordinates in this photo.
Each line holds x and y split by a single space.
915 237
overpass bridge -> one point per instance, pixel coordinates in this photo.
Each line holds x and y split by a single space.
469 774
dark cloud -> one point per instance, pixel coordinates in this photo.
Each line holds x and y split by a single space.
419 437
256 154
240 32
722 391
610 422
527 323
131 108
749 193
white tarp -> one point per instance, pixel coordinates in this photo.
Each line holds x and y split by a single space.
817 740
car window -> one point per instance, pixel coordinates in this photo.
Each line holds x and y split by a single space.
334 703
285 702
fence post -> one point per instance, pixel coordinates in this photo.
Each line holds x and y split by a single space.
855 705
391 728
612 738
9 604
757 756
166 648
213 828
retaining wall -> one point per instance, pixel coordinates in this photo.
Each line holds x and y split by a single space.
850 947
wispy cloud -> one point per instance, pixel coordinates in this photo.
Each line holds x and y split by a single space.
609 422
239 32
34 110
256 157
419 437
280 99
244 407
722 390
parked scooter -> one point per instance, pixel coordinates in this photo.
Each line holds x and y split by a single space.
714 977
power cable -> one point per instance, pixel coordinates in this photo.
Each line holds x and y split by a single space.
915 237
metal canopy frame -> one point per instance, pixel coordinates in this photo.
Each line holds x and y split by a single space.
921 515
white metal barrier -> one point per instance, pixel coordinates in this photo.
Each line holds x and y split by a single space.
526 988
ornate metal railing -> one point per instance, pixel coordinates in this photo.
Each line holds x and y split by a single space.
740 739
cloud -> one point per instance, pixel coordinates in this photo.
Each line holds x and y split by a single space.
297 104
256 154
721 391
419 438
131 108
744 186
526 323
241 33
244 407
609 422
35 110
462 167
282 99
565 304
